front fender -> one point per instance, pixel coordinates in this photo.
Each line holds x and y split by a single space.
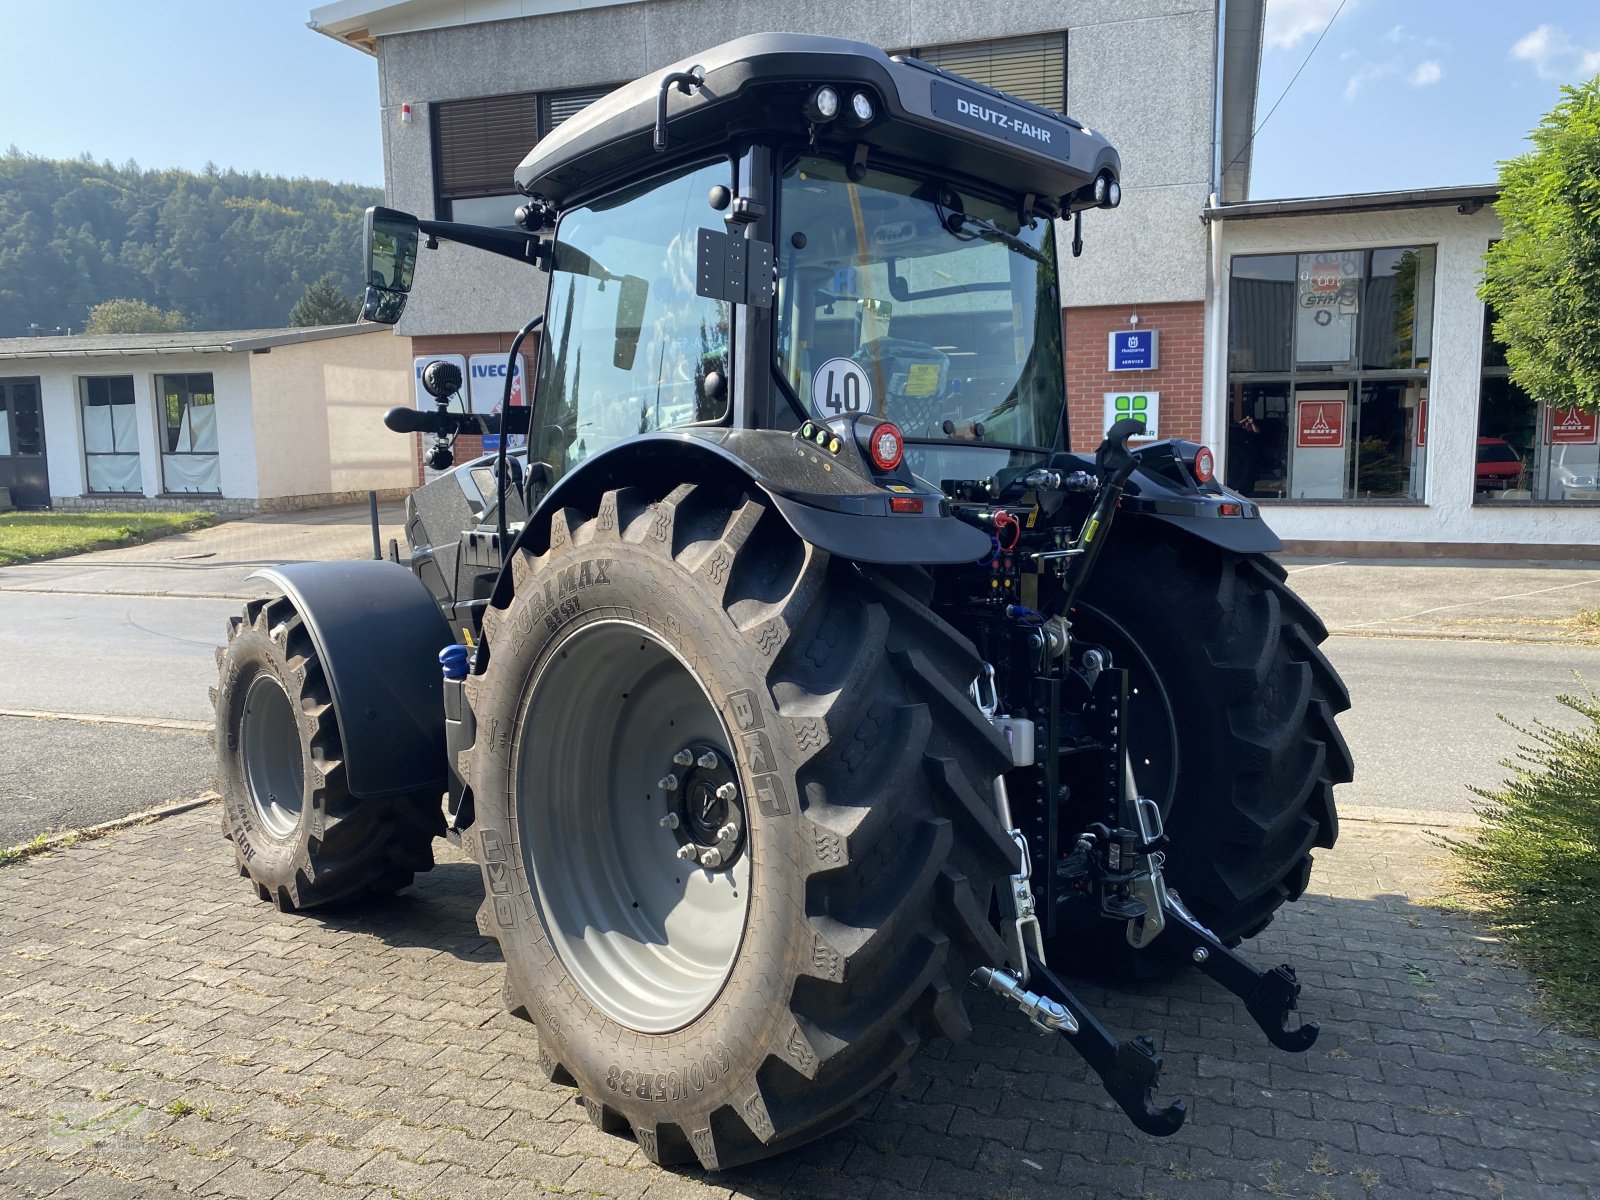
378 633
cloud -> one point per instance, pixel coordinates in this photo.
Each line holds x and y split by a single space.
1554 55
1369 73
1425 73
1289 22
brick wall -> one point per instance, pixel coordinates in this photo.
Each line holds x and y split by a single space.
469 446
1179 379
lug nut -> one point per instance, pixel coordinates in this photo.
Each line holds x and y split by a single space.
728 833
683 757
670 821
686 852
711 858
727 792
707 761
668 783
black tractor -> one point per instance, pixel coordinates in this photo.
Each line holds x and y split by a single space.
783 669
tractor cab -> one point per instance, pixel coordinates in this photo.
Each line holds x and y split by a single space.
800 237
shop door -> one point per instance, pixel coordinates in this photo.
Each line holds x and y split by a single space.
22 464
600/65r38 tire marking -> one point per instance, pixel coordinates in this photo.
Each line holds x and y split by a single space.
297 832
869 855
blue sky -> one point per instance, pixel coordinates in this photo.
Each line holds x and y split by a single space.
1401 93
1411 93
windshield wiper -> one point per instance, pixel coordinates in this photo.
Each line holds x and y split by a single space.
990 232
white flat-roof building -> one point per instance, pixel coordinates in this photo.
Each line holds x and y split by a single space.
236 421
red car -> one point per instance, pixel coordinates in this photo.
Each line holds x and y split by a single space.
1499 465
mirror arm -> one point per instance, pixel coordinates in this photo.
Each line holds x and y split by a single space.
510 243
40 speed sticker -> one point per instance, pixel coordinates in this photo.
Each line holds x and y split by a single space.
840 386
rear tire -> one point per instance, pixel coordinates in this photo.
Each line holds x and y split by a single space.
298 834
1231 731
870 854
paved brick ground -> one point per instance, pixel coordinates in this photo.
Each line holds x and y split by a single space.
163 1033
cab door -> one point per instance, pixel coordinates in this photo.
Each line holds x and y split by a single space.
22 461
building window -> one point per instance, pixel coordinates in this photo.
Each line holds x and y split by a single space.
1526 449
477 145
110 434
1328 357
1031 68
189 434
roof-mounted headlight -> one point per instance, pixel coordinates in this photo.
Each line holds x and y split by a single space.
862 110
823 105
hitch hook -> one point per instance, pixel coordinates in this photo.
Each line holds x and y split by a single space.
1269 996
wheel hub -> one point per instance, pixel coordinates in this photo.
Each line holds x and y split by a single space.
705 808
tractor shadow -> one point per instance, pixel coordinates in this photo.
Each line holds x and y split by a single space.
437 912
1434 1070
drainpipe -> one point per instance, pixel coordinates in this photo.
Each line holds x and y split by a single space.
1214 387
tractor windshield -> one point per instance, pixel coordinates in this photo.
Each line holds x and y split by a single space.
937 310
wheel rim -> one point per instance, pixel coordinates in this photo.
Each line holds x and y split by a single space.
649 937
274 763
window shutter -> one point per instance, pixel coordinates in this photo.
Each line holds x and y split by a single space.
561 105
482 141
1032 68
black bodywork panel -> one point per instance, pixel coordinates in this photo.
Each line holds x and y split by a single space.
761 82
386 695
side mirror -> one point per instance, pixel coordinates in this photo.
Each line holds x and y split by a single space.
391 252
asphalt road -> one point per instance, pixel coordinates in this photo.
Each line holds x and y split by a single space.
1422 725
1422 722
122 656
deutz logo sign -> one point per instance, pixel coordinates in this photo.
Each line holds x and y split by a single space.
1010 122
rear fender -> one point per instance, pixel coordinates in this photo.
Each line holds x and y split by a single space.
378 632
841 522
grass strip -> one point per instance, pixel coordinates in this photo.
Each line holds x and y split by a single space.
31 537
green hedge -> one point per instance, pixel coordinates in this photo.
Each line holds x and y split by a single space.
1534 865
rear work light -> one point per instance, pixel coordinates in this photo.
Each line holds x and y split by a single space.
1204 465
885 445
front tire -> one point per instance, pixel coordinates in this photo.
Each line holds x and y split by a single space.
727 1014
298 834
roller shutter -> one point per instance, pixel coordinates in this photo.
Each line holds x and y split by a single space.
1032 68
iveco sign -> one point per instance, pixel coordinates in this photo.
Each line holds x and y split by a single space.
1010 122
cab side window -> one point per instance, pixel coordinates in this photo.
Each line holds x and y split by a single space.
630 345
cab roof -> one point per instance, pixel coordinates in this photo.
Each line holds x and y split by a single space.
757 86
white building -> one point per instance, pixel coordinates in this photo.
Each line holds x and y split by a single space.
1358 393
236 421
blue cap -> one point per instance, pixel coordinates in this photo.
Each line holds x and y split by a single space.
453 661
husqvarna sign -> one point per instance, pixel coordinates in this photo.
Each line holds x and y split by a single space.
1134 350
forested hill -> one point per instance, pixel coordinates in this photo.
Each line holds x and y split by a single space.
228 250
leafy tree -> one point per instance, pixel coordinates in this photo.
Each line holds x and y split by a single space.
228 249
324 304
132 316
1543 277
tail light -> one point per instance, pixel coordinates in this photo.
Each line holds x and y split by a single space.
1204 465
886 446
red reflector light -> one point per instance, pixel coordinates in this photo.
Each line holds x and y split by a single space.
1231 510
885 445
905 504
1205 466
